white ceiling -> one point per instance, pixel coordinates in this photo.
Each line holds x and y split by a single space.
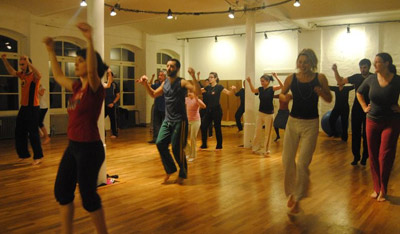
316 11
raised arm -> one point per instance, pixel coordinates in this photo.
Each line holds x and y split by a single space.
55 67
91 61
9 68
36 73
323 90
200 102
109 79
230 92
153 93
340 80
251 85
196 85
280 86
152 79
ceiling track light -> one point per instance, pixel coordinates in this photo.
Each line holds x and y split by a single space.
83 3
169 16
265 35
296 3
216 39
113 13
348 28
231 13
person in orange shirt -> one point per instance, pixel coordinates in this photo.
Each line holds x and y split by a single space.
28 115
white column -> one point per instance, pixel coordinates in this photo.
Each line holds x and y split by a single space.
250 110
95 17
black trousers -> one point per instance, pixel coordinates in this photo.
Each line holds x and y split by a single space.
28 126
80 164
358 130
158 118
238 117
112 113
212 114
343 113
202 115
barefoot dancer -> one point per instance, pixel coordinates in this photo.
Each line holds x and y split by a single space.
84 155
383 120
303 125
265 112
28 115
174 127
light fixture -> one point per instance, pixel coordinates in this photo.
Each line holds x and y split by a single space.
113 13
216 39
348 28
83 3
7 43
169 16
265 35
231 13
9 47
296 3
187 40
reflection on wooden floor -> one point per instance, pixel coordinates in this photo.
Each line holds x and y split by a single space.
232 191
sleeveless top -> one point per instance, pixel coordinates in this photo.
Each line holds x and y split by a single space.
305 100
174 94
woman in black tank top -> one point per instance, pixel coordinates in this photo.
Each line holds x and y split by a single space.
303 125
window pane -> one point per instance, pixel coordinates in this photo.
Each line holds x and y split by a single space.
70 49
129 99
115 54
128 55
50 70
128 72
165 58
69 69
9 102
115 69
54 86
158 58
8 45
129 85
13 63
55 100
67 97
58 48
8 85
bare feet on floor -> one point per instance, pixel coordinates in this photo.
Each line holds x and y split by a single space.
381 197
179 180
374 194
165 181
291 201
37 161
46 141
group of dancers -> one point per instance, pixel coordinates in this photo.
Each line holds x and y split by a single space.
84 155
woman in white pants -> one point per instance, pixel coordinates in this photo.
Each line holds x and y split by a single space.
303 125
192 108
265 112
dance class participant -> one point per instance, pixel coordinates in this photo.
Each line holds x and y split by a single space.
240 110
42 114
192 107
303 125
27 124
383 120
174 127
357 113
213 109
203 111
84 155
282 117
265 112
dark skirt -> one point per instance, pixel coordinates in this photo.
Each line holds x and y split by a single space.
281 119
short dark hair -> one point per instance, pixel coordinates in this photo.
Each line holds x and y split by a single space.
364 62
101 66
177 63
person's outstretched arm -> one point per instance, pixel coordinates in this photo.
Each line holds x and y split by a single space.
9 68
280 86
254 90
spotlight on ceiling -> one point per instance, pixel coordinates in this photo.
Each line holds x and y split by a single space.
169 16
265 35
231 13
296 3
216 39
348 28
113 13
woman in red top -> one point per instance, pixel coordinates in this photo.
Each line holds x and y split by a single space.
84 155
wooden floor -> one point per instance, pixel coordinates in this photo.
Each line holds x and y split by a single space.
232 191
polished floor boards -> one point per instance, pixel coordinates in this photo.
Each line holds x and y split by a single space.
231 191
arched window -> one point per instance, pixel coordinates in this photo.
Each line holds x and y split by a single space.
123 66
66 53
162 59
9 88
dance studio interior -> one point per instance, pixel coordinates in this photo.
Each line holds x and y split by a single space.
228 190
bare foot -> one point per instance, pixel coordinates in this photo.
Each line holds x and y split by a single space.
37 161
22 160
381 197
46 141
374 194
291 201
179 181
165 181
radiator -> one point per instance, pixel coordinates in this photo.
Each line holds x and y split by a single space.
58 124
7 127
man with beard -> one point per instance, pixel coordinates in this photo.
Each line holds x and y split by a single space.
174 127
357 113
